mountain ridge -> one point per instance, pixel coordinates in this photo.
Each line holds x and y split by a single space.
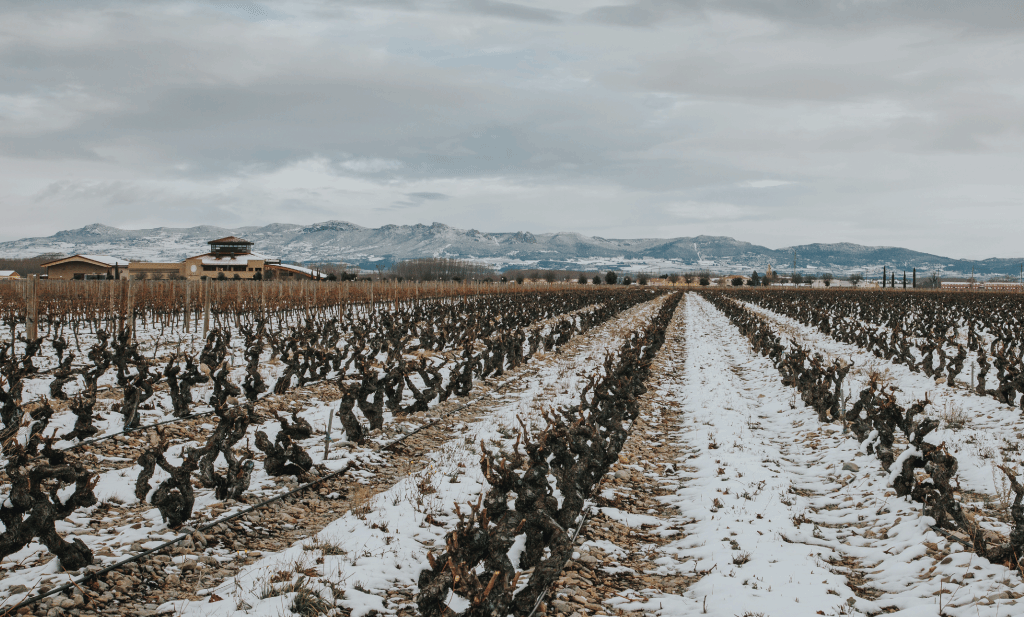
369 247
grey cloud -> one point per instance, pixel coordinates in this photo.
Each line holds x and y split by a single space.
970 17
987 15
108 193
223 127
416 200
509 10
427 195
630 15
637 14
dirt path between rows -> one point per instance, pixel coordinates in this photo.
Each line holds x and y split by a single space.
632 519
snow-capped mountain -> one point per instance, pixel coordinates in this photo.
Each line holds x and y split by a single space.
334 241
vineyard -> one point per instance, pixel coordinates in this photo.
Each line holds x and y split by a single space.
222 447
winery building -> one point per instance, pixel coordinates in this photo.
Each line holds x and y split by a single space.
86 267
228 258
231 256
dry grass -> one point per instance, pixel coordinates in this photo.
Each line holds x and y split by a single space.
1004 494
324 547
307 602
426 484
361 497
954 417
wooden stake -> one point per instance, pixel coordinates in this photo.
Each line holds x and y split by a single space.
130 315
188 304
32 309
206 307
113 291
327 437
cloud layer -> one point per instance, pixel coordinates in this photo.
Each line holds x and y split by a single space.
882 122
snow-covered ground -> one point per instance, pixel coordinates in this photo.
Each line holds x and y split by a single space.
771 513
730 499
983 431
363 558
120 525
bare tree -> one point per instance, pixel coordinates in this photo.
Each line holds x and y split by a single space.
674 278
340 270
932 281
827 279
856 278
542 275
439 269
28 265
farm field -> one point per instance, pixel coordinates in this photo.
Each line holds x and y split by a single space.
615 451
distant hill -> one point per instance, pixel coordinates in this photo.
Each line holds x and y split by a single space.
333 241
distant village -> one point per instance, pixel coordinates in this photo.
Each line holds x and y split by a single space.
232 258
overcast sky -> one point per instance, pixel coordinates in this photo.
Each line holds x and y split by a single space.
779 122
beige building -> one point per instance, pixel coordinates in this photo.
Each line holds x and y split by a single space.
9 275
228 258
155 270
86 267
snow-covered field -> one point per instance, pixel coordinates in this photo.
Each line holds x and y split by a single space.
980 431
730 498
364 557
121 526
754 508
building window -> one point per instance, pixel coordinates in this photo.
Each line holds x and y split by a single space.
209 268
